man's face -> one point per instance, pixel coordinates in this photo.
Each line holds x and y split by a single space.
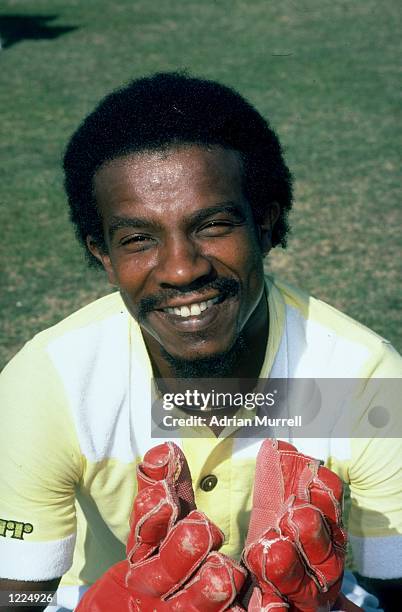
182 246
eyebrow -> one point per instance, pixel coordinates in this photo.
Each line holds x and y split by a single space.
118 222
229 207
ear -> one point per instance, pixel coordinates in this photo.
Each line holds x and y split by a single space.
266 226
104 259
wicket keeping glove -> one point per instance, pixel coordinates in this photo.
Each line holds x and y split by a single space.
295 545
172 560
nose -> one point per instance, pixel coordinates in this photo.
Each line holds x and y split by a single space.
181 263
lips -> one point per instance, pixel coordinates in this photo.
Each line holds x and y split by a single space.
194 316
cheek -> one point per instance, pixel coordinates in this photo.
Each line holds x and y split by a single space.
247 260
251 272
131 274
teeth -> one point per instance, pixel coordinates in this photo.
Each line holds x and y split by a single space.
195 309
192 310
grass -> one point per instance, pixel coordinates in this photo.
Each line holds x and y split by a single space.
325 74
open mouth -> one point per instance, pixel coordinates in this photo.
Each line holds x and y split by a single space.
198 315
194 309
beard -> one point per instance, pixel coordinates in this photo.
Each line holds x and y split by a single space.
220 365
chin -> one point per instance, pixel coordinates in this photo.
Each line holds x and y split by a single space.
199 349
206 364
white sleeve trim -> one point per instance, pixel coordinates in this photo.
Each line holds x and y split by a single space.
378 557
67 598
21 560
356 594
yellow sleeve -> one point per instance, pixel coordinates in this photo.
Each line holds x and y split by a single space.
375 473
40 466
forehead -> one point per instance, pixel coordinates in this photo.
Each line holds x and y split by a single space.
184 173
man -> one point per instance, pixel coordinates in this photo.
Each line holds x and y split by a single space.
178 188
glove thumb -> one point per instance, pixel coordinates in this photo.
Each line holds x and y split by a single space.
165 494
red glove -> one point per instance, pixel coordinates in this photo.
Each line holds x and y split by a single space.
295 545
172 563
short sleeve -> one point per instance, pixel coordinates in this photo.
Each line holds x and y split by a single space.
40 466
375 473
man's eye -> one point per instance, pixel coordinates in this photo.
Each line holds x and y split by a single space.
217 228
137 242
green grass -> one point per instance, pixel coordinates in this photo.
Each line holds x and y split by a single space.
325 73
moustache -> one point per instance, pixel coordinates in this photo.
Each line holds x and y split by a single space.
226 287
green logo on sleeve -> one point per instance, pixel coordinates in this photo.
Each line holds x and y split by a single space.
14 529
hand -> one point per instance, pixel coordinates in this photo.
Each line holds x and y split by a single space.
295 545
172 560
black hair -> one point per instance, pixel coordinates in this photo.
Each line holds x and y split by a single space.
168 109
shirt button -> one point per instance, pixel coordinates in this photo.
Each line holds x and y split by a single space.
209 482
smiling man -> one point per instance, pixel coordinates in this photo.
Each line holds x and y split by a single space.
178 188
185 252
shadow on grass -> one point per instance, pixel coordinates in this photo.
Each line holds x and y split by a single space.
16 28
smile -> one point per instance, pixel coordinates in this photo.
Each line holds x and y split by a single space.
192 310
198 316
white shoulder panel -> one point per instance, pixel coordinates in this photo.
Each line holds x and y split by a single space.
93 363
317 351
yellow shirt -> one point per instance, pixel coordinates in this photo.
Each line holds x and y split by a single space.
75 420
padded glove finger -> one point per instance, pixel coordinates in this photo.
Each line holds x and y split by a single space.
283 577
167 462
264 602
165 495
212 589
182 551
308 528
